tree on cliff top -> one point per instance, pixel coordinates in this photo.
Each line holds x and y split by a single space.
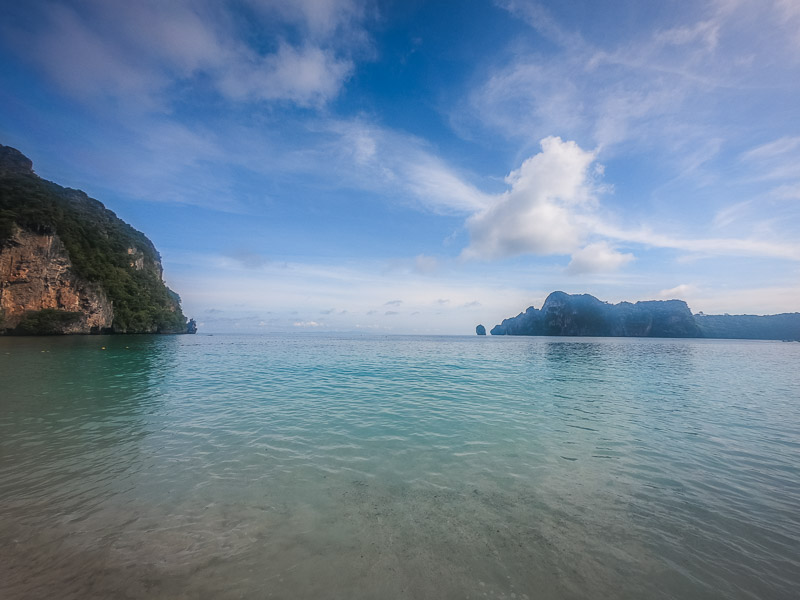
97 242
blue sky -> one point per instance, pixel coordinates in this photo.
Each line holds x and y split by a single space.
421 167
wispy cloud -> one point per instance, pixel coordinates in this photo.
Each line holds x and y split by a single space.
732 213
662 87
374 157
757 300
777 159
597 257
306 76
248 258
322 19
679 292
648 237
147 54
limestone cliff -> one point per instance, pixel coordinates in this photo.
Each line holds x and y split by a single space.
70 265
36 274
585 315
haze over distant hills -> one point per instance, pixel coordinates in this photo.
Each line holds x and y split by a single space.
585 315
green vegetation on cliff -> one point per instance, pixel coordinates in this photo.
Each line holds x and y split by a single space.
48 321
102 248
785 326
585 315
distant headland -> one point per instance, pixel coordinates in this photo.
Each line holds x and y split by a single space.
584 315
68 265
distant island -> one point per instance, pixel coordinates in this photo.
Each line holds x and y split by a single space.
68 265
585 315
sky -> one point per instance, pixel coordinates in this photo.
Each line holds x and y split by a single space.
422 167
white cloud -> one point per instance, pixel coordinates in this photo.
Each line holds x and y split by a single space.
176 34
751 300
304 324
775 160
679 292
732 213
790 16
704 32
752 246
306 76
538 17
248 258
145 54
438 187
598 257
774 148
787 192
84 62
402 166
647 85
551 210
321 18
540 213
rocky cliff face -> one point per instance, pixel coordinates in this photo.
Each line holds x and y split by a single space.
585 315
36 274
70 265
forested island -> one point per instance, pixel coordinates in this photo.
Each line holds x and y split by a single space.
585 315
70 265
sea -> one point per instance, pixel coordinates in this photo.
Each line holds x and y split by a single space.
370 467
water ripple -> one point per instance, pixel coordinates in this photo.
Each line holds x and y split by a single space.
362 467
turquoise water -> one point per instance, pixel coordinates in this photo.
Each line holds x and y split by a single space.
398 467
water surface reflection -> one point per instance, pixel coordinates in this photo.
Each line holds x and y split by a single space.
425 467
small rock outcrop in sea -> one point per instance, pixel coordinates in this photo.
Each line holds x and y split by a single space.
69 265
585 315
191 326
480 330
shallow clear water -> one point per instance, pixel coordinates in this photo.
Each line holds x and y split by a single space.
398 467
